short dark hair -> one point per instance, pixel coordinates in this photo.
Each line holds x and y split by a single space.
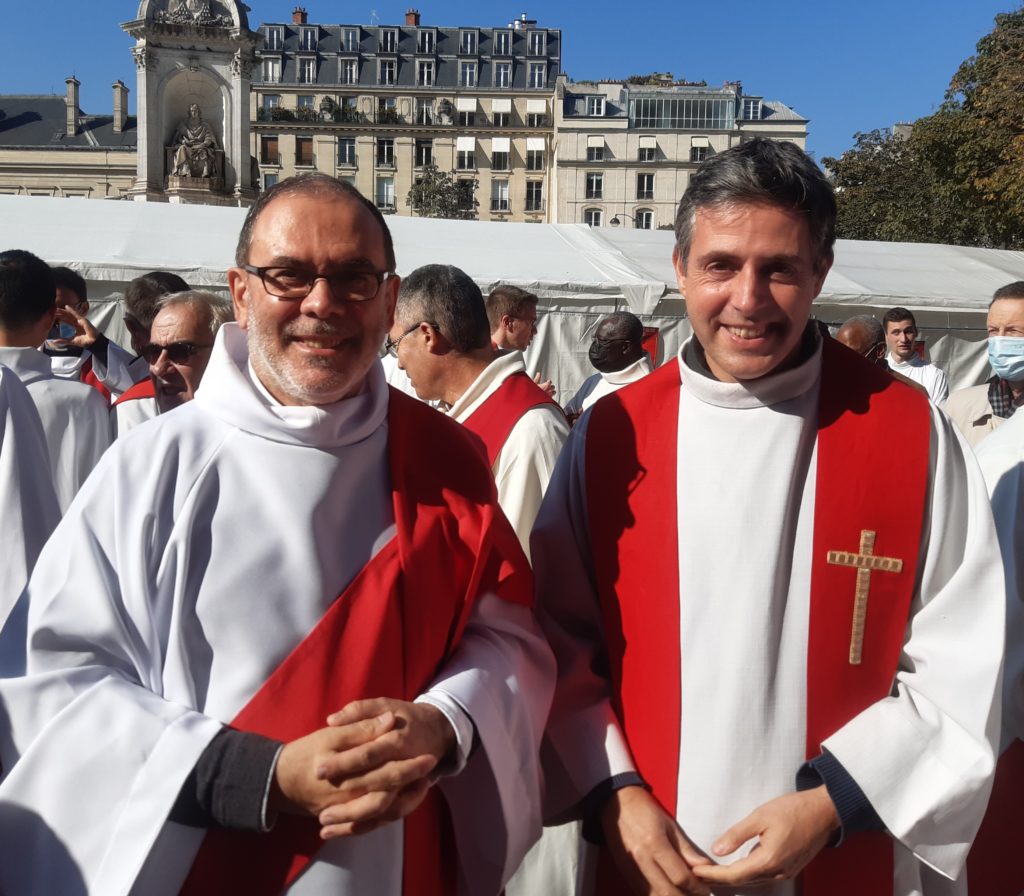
626 326
72 280
310 184
143 294
762 172
510 300
895 315
28 289
448 299
1013 290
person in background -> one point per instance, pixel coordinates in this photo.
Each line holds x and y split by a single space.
901 338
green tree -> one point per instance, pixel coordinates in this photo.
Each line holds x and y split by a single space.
439 194
959 177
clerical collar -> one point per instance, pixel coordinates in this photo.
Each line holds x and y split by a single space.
698 379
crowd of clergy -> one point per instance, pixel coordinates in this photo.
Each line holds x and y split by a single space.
315 588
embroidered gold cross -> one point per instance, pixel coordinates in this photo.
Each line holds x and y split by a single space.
865 562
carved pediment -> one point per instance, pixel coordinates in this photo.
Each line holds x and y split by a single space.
228 14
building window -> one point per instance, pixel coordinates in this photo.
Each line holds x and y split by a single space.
269 154
501 119
499 161
348 179
304 152
595 185
595 153
467 43
274 39
269 180
271 101
679 113
385 152
388 40
308 40
424 111
464 160
425 73
502 45
424 153
752 109
534 196
467 119
698 153
502 74
386 71
306 101
349 71
385 192
350 40
467 74
346 150
535 160
387 110
592 217
271 70
466 200
538 75
646 154
425 42
645 186
537 43
595 106
536 119
499 196
644 219
307 71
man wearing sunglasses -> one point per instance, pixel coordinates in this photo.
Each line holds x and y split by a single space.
182 335
282 614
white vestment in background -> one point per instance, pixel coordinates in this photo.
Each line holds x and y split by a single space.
746 487
120 372
204 548
75 418
126 415
928 375
526 461
616 379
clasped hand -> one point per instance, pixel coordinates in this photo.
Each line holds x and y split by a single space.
371 765
656 857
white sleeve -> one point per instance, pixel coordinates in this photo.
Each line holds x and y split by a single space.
924 756
524 466
584 744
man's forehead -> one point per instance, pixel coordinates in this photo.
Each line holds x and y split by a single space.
310 222
1007 311
179 318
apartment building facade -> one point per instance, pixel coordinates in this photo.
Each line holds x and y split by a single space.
625 151
376 104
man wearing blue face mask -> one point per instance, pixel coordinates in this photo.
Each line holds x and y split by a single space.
978 410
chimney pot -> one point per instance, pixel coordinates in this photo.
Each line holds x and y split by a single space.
412 17
299 15
120 106
71 105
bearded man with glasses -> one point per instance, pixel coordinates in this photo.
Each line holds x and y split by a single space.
280 615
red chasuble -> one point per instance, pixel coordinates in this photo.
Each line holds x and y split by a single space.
873 441
387 635
142 389
494 420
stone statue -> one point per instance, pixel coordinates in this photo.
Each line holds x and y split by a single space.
195 146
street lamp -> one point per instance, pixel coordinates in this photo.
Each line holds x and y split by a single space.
615 222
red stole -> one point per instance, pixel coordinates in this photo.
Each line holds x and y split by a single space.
631 482
88 376
388 634
142 389
500 412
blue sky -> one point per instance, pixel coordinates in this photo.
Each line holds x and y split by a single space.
848 67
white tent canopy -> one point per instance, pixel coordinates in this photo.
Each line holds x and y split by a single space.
580 273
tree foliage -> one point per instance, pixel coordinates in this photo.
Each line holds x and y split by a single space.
959 176
439 194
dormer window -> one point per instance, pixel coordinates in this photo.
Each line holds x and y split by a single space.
751 109
388 40
274 38
308 40
425 41
537 43
350 40
467 42
502 43
595 106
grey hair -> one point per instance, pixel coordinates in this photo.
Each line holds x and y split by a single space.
216 310
761 172
446 298
871 325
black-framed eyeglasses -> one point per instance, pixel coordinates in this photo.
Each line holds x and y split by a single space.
177 352
351 285
391 345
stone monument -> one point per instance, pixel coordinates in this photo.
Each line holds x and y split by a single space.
194 61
